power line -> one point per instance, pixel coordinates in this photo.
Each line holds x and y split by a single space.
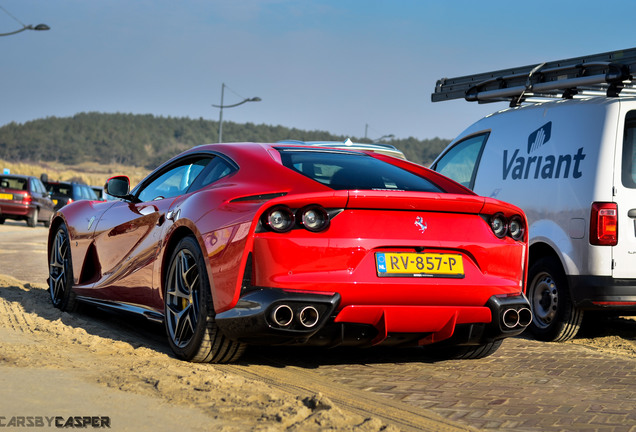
7 12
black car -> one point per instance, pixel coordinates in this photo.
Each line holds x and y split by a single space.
24 197
63 193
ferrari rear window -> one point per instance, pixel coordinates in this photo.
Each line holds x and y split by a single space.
350 170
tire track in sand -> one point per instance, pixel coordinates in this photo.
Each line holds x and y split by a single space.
300 381
13 316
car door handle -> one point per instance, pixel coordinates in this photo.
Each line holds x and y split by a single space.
173 215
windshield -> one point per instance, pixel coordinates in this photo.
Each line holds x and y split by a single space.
349 170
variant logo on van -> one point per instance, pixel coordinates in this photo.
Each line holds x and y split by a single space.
539 137
537 166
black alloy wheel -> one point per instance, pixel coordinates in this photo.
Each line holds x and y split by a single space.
61 272
189 312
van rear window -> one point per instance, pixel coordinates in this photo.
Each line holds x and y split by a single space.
629 151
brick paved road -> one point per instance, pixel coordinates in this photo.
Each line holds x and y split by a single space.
526 386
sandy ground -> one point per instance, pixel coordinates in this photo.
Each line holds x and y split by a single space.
609 335
55 365
49 351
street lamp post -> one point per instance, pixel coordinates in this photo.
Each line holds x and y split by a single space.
39 27
254 99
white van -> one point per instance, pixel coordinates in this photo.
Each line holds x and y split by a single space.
565 152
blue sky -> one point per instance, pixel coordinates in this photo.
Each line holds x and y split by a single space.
343 66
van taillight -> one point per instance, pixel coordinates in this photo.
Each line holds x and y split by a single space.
604 224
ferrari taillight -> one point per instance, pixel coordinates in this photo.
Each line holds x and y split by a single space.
513 227
517 228
314 218
281 218
604 224
499 225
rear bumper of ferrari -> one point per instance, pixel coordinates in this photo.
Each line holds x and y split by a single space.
271 316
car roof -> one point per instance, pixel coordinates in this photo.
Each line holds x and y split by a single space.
66 183
22 176
386 149
237 151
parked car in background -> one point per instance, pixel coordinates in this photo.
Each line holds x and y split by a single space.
24 198
99 192
279 244
63 193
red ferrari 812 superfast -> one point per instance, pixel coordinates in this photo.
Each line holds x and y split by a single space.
278 244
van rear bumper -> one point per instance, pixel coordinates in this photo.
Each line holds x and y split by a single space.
603 292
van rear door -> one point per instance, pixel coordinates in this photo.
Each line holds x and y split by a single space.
624 252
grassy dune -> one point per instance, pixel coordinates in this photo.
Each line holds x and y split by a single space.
90 173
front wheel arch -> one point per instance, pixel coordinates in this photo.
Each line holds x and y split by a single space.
189 315
173 240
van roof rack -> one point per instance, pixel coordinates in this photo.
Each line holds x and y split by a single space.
606 74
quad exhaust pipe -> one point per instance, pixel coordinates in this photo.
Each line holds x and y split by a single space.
283 316
309 316
513 318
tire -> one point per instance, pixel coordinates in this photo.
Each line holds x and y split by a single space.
466 352
32 221
47 222
554 316
61 272
189 312
1 220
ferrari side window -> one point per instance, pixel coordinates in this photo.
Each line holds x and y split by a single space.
218 169
175 181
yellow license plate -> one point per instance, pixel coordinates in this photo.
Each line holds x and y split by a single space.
419 264
6 196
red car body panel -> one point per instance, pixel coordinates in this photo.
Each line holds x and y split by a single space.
121 249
